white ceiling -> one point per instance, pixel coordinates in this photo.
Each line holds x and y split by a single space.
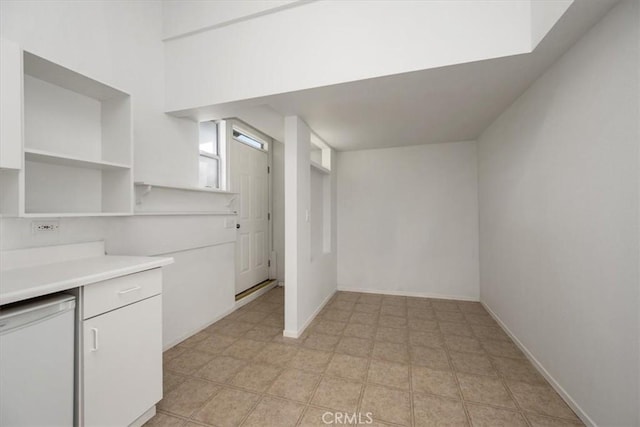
454 103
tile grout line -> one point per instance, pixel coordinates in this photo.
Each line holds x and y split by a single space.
454 373
250 411
509 392
262 394
311 395
411 405
359 407
234 387
468 321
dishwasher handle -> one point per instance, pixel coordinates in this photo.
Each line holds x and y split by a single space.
26 313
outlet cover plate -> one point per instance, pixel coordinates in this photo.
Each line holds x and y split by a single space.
41 227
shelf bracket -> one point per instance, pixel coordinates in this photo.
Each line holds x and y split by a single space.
145 189
231 200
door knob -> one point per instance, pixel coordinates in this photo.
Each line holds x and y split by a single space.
237 225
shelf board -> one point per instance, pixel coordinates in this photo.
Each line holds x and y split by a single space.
72 214
173 187
42 156
58 75
186 213
320 168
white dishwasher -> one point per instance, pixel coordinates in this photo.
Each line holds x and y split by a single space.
37 362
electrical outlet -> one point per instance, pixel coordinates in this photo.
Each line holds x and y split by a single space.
41 227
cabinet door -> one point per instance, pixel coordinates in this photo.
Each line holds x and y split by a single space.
122 363
10 105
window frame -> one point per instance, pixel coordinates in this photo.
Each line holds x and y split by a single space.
216 157
264 145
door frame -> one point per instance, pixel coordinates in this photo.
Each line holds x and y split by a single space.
226 134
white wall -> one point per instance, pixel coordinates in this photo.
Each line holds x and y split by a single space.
120 44
327 42
408 220
323 262
544 15
309 282
558 187
186 16
277 186
16 233
199 288
317 211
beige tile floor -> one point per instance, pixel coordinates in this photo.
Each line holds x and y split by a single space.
407 361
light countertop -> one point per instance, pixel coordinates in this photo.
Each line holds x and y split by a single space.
30 282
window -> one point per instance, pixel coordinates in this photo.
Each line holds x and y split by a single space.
247 139
209 159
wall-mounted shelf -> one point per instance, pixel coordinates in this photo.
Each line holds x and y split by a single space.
320 168
180 213
162 199
72 215
150 186
144 188
42 156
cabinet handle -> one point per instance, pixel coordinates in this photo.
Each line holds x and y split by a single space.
95 339
126 291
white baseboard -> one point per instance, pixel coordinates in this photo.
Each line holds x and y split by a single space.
139 422
290 334
299 332
555 384
177 341
406 293
244 301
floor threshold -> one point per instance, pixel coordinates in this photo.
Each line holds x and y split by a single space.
253 289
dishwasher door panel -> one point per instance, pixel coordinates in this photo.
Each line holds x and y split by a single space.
37 363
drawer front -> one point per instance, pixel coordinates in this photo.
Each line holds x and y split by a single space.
113 293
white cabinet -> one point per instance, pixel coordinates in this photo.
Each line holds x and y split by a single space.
122 349
10 105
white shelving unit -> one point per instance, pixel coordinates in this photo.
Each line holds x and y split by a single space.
10 106
76 144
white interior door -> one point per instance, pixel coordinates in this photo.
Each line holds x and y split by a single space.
249 178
